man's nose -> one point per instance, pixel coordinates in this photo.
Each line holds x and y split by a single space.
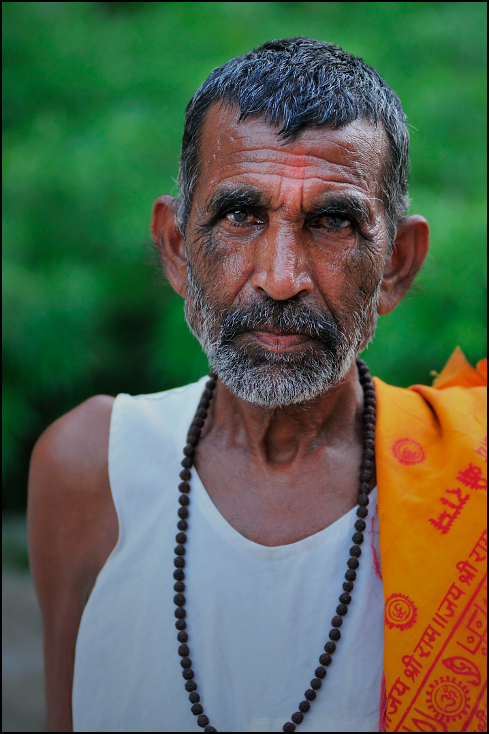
281 268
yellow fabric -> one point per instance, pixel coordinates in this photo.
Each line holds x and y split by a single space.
431 453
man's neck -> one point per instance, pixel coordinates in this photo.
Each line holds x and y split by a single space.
281 436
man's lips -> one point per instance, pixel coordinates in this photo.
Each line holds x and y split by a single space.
278 340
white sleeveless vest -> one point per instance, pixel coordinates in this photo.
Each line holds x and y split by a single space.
257 617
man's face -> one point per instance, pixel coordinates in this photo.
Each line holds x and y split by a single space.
286 246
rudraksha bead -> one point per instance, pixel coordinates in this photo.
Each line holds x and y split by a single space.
201 413
180 550
352 563
194 431
304 706
179 600
179 562
330 647
192 440
180 613
342 609
347 586
363 499
178 574
210 384
179 586
357 538
368 444
366 464
288 726
355 551
337 621
182 525
180 624
202 721
360 525
335 634
188 673
345 598
187 462
198 422
182 637
183 651
320 672
325 659
184 500
181 538
197 709
350 575
368 454
207 394
209 728
186 663
364 488
310 695
190 686
194 697
182 512
298 717
184 487
185 475
316 684
366 475
361 511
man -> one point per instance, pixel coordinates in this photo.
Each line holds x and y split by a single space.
289 237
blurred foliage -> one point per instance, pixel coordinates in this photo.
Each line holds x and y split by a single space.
94 98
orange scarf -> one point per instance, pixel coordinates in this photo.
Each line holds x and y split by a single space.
431 449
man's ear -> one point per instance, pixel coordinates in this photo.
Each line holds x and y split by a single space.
409 253
170 243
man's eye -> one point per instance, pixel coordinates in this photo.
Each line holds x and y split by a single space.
334 223
240 216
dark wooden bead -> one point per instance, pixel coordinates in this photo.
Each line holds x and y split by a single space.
190 686
366 475
352 563
369 428
180 624
325 658
209 728
197 709
183 651
337 621
210 385
320 672
204 404
188 673
201 413
186 663
288 726
181 538
198 422
179 562
180 550
178 574
184 487
357 538
363 499
364 488
304 706
192 440
298 717
368 454
180 613
185 474
182 637
183 512
335 634
370 415
179 586
342 609
368 444
187 462
207 394
179 600
366 464
361 511
189 450
330 647
350 575
202 721
184 500
355 551
316 684
369 393
348 586
194 431
310 695
182 525
194 697
369 435
345 598
360 525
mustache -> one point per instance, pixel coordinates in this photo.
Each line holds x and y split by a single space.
290 317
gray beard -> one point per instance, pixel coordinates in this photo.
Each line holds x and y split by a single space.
266 378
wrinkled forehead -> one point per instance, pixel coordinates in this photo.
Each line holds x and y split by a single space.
251 151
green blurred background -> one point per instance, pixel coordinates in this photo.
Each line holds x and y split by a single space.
94 99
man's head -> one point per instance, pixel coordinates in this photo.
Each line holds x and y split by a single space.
289 235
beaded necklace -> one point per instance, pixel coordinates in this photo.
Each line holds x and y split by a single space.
325 659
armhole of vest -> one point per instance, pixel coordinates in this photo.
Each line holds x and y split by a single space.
114 440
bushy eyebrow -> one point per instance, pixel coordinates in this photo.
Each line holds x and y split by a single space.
241 197
343 205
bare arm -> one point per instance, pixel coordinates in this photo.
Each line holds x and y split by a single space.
72 528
